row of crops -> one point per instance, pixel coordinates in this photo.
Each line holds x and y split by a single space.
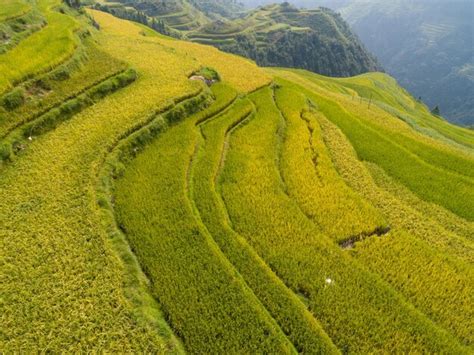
231 182
275 211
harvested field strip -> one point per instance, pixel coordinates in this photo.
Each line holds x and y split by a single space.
285 307
356 308
206 301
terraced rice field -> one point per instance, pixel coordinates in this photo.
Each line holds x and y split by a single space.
10 9
276 211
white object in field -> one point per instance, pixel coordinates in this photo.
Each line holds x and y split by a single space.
328 281
30 138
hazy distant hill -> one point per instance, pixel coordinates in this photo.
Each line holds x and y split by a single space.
427 45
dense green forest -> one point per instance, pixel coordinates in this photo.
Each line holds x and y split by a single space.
277 35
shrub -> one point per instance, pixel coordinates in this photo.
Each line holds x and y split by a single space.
13 99
61 74
209 74
5 152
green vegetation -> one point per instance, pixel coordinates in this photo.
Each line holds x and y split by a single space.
13 99
45 92
269 211
382 90
208 74
42 50
13 8
311 180
14 30
275 35
218 304
14 142
433 173
430 51
303 257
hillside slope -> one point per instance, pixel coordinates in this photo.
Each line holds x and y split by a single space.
429 48
277 35
427 45
275 211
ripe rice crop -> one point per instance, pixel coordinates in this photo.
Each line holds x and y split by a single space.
311 179
435 245
221 313
41 51
423 173
43 93
301 328
354 305
276 211
12 8
48 205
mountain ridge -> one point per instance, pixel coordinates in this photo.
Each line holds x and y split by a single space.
275 35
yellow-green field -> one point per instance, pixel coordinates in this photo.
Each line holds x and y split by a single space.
13 8
276 211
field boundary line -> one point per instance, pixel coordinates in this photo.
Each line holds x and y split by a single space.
136 285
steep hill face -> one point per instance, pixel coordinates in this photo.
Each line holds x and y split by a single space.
281 35
276 35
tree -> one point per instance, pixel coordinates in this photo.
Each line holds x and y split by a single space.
73 3
435 111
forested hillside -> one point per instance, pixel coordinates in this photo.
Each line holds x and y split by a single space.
161 196
277 35
427 45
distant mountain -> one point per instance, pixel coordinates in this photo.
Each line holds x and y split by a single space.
309 4
276 35
427 45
